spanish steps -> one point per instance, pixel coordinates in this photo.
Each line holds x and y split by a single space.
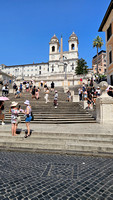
66 112
67 129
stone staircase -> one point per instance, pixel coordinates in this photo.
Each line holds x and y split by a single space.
66 112
67 129
79 143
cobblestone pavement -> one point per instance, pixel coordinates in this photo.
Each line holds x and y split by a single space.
55 177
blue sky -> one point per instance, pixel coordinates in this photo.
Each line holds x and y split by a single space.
26 27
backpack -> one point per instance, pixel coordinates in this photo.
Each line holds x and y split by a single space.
32 116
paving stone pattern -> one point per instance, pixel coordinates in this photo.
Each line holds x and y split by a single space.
31 176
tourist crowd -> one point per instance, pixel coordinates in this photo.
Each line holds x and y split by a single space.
87 92
27 87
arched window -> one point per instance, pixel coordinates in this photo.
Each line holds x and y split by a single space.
52 68
72 66
72 47
53 48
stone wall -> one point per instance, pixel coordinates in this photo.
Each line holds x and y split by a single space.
104 109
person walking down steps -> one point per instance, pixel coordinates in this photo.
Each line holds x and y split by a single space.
56 99
47 95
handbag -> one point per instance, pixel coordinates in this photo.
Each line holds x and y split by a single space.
32 116
18 120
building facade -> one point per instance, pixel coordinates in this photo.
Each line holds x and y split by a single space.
107 27
56 64
101 63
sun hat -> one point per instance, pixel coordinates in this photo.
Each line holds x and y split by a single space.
27 102
14 104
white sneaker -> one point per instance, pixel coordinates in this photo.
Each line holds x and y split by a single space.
3 123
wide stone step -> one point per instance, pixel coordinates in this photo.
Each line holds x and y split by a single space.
56 115
97 142
37 113
57 118
68 109
52 134
95 148
61 140
49 104
59 122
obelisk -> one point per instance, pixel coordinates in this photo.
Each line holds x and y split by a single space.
61 49
61 64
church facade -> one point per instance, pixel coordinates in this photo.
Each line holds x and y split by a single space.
60 61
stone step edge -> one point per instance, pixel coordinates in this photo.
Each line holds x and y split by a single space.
54 134
57 119
36 113
58 122
54 118
104 150
72 141
61 152
66 145
63 133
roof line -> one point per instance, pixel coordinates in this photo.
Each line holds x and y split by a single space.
26 64
102 51
106 16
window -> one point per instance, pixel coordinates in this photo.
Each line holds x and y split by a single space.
99 69
72 47
109 32
48 69
104 65
40 67
39 72
53 48
35 69
72 66
52 68
104 70
110 57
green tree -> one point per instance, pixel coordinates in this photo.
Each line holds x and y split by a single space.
98 43
81 67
